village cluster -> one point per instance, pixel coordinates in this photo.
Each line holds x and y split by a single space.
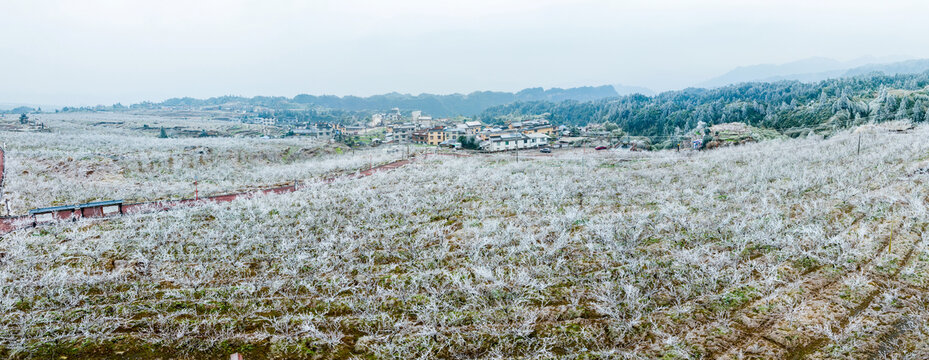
394 128
536 132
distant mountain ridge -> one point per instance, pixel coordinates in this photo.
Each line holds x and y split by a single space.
435 105
629 90
903 67
815 69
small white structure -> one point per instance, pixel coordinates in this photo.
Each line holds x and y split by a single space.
376 120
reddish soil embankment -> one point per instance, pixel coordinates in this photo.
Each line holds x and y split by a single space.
11 223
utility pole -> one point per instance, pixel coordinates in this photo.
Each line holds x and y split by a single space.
859 143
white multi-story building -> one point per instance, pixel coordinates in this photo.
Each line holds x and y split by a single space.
473 127
400 133
394 115
512 141
317 130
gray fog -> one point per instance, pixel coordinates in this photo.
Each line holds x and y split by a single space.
85 52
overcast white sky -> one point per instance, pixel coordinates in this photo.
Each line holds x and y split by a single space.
95 51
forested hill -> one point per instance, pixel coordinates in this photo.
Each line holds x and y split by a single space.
435 105
788 106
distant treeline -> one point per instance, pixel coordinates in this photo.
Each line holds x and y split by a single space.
789 106
435 105
20 110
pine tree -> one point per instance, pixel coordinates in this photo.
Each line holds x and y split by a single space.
917 111
163 134
902 110
885 111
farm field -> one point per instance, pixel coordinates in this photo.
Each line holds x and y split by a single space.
82 157
464 180
782 249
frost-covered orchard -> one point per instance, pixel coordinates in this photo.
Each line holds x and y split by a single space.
766 250
80 162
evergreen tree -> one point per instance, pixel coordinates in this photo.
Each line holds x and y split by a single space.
902 110
163 134
23 119
917 112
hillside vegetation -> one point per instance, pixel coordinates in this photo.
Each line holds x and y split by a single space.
791 107
779 249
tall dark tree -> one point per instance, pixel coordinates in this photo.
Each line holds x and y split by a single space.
469 142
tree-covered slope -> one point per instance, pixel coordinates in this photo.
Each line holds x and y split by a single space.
789 106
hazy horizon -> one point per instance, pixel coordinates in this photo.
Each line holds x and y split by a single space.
102 52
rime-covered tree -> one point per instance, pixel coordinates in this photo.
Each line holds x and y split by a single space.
903 109
918 111
784 105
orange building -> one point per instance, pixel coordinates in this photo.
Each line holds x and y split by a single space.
541 129
436 135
